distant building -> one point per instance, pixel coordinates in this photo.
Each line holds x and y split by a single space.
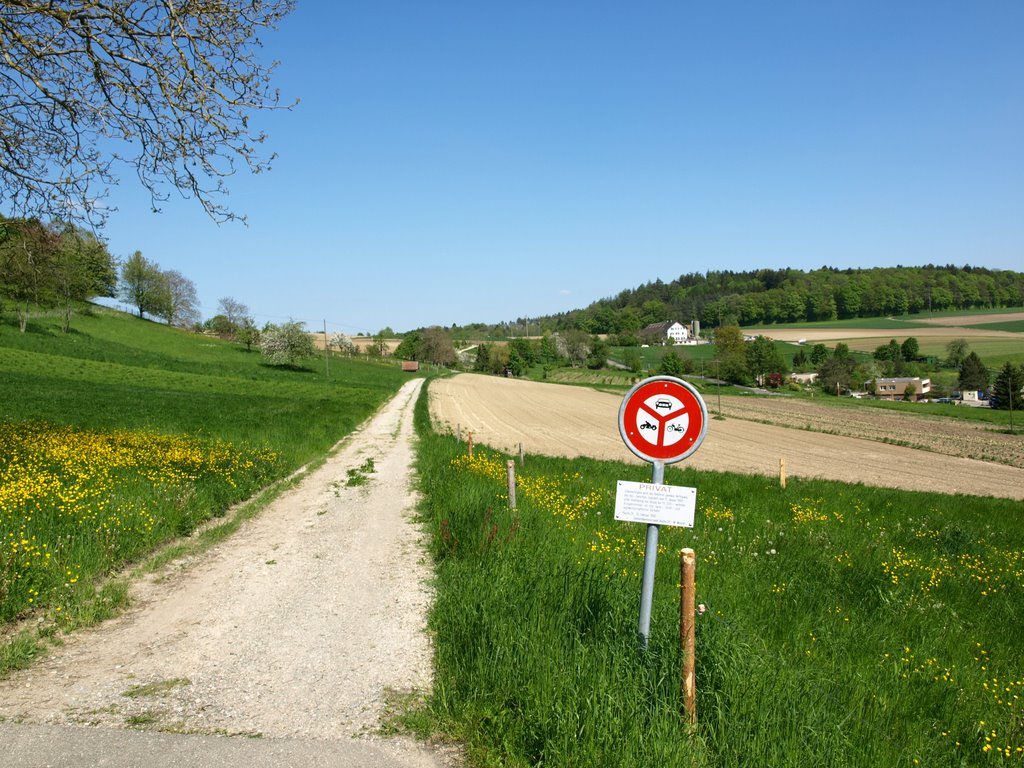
974 398
668 332
902 388
804 378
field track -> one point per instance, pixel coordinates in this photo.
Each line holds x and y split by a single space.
561 420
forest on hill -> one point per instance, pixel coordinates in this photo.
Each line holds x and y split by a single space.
767 296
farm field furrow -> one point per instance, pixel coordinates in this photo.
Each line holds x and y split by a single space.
952 437
570 421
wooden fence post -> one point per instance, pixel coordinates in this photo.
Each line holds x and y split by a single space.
521 455
470 445
687 633
782 473
510 468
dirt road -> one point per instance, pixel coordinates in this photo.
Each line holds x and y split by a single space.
296 628
574 421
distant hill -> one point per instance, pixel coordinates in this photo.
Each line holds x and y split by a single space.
768 296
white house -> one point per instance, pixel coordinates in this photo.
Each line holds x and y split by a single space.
660 333
973 398
804 378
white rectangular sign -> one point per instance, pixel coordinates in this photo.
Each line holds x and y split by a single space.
655 504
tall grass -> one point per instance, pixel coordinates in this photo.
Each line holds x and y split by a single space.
845 625
125 434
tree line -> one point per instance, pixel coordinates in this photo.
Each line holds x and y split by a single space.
57 266
768 296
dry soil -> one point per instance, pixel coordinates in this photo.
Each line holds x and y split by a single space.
563 420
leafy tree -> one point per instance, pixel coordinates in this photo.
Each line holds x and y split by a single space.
626 339
633 360
819 354
82 270
1006 392
220 326
27 254
763 358
671 364
516 365
890 352
379 347
973 373
249 335
524 349
143 284
166 89
483 358
731 353
597 358
956 351
287 344
910 349
836 374
409 348
576 345
548 349
800 359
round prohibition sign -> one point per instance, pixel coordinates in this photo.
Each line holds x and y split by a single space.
663 419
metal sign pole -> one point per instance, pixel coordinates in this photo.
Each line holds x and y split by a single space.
662 420
650 558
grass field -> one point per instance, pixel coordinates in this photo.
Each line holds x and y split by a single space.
918 320
845 625
125 434
884 323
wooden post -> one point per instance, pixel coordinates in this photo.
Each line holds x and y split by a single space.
782 473
510 468
687 634
521 455
458 432
470 445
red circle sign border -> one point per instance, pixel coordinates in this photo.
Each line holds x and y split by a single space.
692 401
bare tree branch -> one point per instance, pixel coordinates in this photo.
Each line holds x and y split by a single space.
163 87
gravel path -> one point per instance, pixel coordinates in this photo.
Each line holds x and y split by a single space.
299 626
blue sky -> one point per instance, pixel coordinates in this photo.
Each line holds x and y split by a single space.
454 162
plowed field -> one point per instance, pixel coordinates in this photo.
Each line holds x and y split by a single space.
562 420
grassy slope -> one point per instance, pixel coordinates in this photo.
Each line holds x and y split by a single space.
163 396
114 370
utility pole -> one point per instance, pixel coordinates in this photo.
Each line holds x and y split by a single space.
718 384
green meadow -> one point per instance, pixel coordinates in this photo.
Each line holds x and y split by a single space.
844 626
124 435
114 370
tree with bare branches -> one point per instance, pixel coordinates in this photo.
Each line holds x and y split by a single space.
165 89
